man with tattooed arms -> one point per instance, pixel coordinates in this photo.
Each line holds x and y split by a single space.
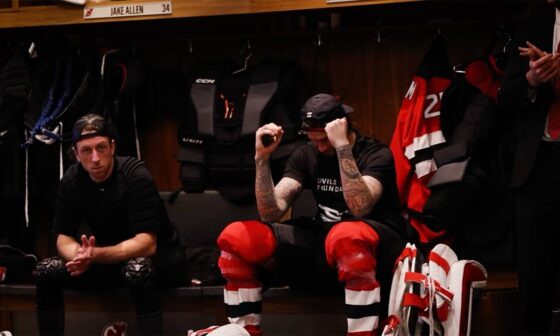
351 243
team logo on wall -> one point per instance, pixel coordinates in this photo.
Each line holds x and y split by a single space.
114 329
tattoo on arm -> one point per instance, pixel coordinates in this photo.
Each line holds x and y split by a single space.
358 196
272 202
347 163
264 190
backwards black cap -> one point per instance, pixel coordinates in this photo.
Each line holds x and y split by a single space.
89 126
322 109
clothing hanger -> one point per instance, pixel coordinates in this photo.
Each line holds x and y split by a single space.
319 42
247 50
379 37
103 58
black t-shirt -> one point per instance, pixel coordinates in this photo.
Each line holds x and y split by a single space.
321 174
115 210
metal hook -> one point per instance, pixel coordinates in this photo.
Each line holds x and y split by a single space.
379 37
247 48
248 51
319 41
503 32
458 68
103 59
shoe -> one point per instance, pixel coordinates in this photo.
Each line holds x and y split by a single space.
225 330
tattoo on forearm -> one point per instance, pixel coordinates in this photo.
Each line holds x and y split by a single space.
356 193
347 163
359 201
287 192
264 190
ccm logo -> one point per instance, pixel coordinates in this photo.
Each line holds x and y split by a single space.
192 141
205 81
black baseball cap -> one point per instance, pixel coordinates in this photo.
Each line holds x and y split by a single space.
93 125
321 109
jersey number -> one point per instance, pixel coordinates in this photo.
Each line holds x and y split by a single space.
431 101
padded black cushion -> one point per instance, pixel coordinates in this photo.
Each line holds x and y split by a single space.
200 217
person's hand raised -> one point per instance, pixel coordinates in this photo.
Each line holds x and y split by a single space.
337 132
273 133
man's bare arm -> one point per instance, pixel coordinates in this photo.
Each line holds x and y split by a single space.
361 193
273 201
67 247
141 245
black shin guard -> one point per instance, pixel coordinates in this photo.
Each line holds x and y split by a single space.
51 321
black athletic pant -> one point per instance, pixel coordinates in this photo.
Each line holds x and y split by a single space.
538 235
142 277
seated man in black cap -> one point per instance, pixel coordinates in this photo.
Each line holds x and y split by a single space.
351 243
132 242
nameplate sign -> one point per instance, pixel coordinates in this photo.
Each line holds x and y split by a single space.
127 10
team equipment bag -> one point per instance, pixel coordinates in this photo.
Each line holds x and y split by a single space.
16 266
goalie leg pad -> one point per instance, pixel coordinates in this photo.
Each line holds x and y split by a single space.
464 275
400 319
439 264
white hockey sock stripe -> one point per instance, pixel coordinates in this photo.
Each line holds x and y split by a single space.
364 324
365 297
362 309
244 306
235 297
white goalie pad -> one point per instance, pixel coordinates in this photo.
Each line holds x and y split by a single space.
434 299
439 264
436 295
463 277
397 315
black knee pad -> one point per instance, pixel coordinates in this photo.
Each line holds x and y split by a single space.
52 268
138 272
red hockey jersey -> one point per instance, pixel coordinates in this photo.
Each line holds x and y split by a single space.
418 133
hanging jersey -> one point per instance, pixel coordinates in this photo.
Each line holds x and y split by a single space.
418 133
